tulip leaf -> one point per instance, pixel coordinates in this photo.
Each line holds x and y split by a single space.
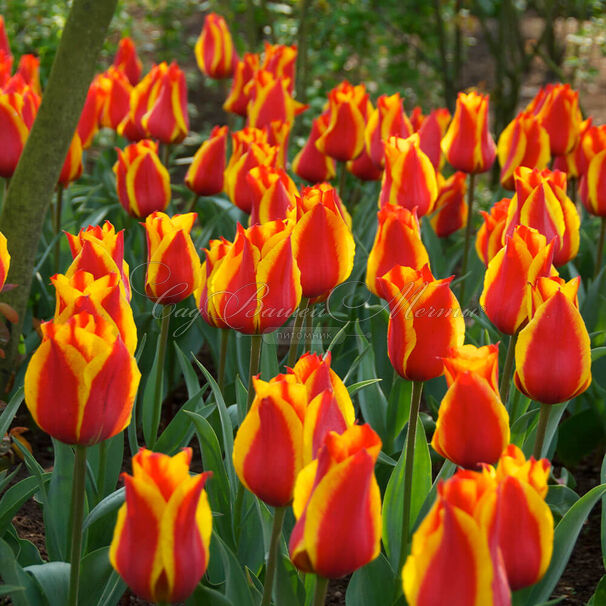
555 414
109 504
237 587
289 588
10 589
13 499
53 579
8 414
447 470
27 592
560 499
97 576
371 584
354 387
269 357
597 353
599 597
149 397
113 590
603 525
205 596
565 537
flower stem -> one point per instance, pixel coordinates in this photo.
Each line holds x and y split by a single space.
508 368
541 428
600 250
255 359
342 177
468 228
58 208
78 493
102 466
162 341
294 339
415 403
274 549
165 152
191 205
321 589
309 324
222 358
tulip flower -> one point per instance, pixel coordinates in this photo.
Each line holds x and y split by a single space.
142 181
6 67
311 164
323 244
425 321
217 249
473 425
29 69
334 495
239 96
431 131
595 199
278 133
468 144
525 257
387 120
99 251
173 265
349 108
205 175
116 97
524 142
273 194
81 292
534 472
574 163
257 285
167 119
215 51
592 142
363 168
280 60
451 208
126 60
5 260
88 125
398 242
84 364
4 44
13 132
409 179
489 239
161 539
72 166
553 352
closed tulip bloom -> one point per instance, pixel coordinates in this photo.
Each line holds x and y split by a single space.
81 292
278 135
425 321
161 540
592 142
116 97
431 131
128 61
310 163
173 265
524 142
473 425
72 166
217 249
6 67
595 200
323 244
489 239
409 179
142 181
99 250
337 504
364 169
451 207
553 352
273 194
88 125
257 285
349 108
29 68
387 120
281 61
84 364
398 242
574 162
205 175
525 257
513 463
468 144
5 260
481 361
4 43
215 51
238 98
13 132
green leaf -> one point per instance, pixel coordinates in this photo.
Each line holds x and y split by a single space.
8 414
12 574
371 584
237 588
10 589
555 414
447 470
149 397
354 387
560 499
289 588
269 357
109 504
95 576
53 579
205 596
14 497
189 374
597 353
578 435
603 525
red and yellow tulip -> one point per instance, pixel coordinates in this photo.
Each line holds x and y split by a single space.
431 130
215 51
281 61
116 91
128 61
29 69
273 194
205 175
72 166
451 208
88 125
595 197
489 239
239 96
217 249
5 260
14 131
310 163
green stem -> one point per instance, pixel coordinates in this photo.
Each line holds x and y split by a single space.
508 368
321 589
342 176
513 414
600 249
58 207
78 494
238 512
222 357
102 466
255 359
296 330
191 207
163 340
274 549
309 324
541 428
165 154
415 403
468 229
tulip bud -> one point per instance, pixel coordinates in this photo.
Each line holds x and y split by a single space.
311 164
6 67
238 98
72 166
363 168
513 463
398 242
142 181
468 144
217 249
84 364
431 131
88 125
592 142
451 207
126 59
595 200
116 97
273 194
173 265
280 60
161 539
214 50
489 239
4 44
29 69
205 175
5 260
13 132
278 134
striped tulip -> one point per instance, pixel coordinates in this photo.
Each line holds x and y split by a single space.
323 244
6 67
161 539
398 242
173 265
72 166
311 164
451 207
473 425
88 125
127 60
574 163
280 60
431 131
425 321
524 142
13 132
278 133
116 97
5 260
409 179
84 364
273 194
215 51
553 352
29 69
525 257
4 43
514 464
595 198
257 285
217 249
142 181
468 144
205 175
364 169
593 141
337 504
489 239
81 292
238 98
